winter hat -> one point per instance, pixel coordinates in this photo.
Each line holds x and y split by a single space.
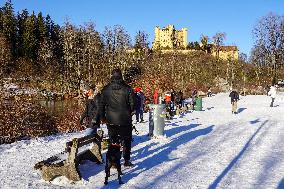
137 89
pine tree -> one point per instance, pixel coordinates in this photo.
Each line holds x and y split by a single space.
42 31
5 56
21 20
30 41
1 19
9 28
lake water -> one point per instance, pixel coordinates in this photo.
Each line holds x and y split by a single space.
57 107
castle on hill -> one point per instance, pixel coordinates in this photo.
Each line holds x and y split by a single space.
169 39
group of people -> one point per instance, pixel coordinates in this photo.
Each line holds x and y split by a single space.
234 95
117 102
171 99
115 105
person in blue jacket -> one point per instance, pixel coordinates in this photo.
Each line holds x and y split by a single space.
139 110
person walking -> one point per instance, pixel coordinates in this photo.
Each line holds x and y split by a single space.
272 94
90 114
139 110
117 106
172 102
234 99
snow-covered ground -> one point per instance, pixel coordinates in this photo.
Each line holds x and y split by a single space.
11 89
206 149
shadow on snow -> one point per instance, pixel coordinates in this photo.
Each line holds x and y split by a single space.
234 161
160 155
241 110
281 184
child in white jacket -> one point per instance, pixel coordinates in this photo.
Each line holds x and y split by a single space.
272 93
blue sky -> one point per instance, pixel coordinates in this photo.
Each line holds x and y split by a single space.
234 17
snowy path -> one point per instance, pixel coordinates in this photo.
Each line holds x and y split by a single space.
206 149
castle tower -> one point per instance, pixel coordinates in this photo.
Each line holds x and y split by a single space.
184 36
156 43
170 38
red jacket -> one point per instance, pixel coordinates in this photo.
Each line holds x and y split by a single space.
156 97
168 98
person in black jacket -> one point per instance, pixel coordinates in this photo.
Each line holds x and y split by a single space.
172 103
117 106
139 110
91 114
179 99
234 99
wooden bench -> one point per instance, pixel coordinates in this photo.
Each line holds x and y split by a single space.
66 163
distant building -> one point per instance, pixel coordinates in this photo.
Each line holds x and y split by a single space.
226 52
170 38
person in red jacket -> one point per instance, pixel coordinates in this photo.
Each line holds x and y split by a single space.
156 97
168 98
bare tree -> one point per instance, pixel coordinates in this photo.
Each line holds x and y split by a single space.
269 42
243 57
116 41
218 41
141 46
141 40
92 53
204 42
69 49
